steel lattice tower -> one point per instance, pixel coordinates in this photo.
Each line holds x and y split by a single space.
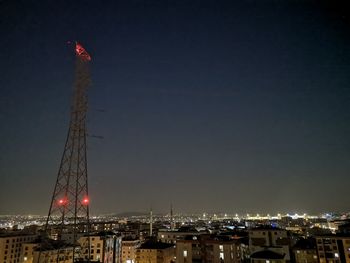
69 209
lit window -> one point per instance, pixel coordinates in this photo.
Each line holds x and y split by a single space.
336 255
185 253
221 255
221 247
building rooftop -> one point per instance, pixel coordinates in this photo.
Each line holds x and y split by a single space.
155 245
15 234
267 254
267 227
49 244
309 243
340 235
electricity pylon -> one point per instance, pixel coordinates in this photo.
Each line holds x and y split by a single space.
68 216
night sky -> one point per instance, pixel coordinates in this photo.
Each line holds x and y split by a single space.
233 106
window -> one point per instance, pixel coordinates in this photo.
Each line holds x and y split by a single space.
185 253
221 255
221 247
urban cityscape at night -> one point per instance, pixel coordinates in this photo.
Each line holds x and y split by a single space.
145 131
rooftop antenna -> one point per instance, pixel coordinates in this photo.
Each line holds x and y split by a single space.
151 223
171 217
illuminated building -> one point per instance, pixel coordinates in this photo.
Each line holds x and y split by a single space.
104 247
155 252
11 246
129 248
305 251
272 239
208 248
333 248
51 255
104 226
305 255
170 236
28 251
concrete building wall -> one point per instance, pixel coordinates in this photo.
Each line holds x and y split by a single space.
333 249
213 251
129 248
276 240
28 252
167 236
155 255
11 247
305 255
54 256
103 248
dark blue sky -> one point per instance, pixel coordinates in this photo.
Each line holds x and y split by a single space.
236 106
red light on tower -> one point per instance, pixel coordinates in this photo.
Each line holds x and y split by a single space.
85 201
81 52
62 201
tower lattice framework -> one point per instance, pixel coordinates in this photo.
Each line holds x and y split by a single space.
68 215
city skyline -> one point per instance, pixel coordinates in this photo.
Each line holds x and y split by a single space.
237 107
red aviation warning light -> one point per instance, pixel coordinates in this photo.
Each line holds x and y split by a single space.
81 52
85 201
62 201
